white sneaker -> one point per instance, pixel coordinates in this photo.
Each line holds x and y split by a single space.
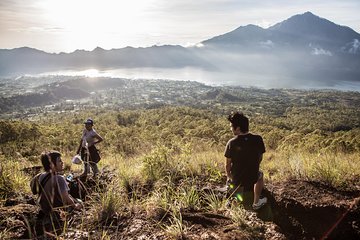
260 203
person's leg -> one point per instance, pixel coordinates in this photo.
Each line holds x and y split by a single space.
258 186
234 193
52 225
94 168
84 157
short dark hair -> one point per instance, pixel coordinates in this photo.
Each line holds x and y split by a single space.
46 161
238 119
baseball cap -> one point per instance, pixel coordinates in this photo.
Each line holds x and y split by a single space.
89 121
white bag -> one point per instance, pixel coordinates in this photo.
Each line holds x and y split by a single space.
76 159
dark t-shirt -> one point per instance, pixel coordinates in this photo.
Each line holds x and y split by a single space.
245 152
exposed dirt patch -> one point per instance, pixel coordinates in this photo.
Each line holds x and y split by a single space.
306 210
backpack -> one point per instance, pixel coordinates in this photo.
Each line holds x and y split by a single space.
77 188
35 184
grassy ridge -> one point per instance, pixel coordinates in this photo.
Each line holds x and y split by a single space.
311 143
162 158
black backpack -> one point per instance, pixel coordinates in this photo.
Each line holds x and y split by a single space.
77 189
35 184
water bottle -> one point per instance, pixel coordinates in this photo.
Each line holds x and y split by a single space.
70 177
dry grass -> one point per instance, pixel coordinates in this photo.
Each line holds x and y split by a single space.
12 178
336 170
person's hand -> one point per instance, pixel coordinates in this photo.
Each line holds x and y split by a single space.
228 180
356 202
78 206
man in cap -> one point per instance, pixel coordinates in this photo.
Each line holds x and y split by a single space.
89 153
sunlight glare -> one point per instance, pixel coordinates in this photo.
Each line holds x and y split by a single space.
90 23
90 73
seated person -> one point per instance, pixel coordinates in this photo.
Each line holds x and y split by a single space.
243 157
53 193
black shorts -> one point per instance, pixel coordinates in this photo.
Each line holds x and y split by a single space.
246 185
94 155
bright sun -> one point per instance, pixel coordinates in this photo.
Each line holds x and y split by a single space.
90 23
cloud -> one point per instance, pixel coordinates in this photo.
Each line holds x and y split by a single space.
355 46
38 30
268 44
352 47
318 50
196 45
321 51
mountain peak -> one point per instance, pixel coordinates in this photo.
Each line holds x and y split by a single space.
315 27
300 22
308 14
250 26
98 49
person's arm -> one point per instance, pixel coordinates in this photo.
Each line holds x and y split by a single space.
63 189
99 138
228 168
79 148
260 158
69 201
261 149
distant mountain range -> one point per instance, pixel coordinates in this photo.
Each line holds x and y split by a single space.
299 32
302 50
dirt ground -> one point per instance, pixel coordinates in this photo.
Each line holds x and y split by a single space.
295 210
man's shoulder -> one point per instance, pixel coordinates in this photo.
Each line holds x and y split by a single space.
91 131
62 184
258 141
232 140
60 177
43 175
254 136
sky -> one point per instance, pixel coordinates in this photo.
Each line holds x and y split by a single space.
66 25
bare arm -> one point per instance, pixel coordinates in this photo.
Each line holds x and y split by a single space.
260 158
79 148
228 168
69 201
99 138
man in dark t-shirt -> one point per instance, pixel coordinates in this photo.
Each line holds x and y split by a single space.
243 156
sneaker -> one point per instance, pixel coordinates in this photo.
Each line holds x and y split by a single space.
261 202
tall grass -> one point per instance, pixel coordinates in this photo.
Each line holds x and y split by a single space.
111 202
238 215
189 196
334 169
176 229
214 202
12 178
168 180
